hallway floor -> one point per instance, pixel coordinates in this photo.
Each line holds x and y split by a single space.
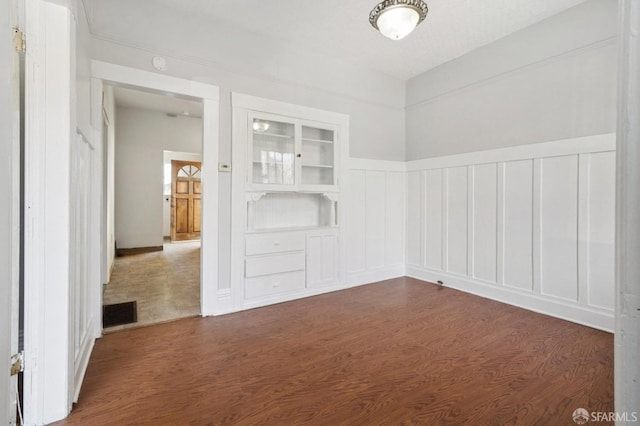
165 284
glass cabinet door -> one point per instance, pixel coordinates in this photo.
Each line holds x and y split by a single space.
317 166
273 152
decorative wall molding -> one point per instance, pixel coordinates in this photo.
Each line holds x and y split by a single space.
531 225
375 204
584 145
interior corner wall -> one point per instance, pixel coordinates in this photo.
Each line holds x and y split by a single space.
141 138
551 81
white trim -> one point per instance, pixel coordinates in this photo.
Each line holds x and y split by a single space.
134 77
627 322
359 278
254 103
586 144
589 316
382 165
209 94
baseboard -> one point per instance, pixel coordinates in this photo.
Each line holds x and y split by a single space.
83 362
584 315
121 252
371 276
225 302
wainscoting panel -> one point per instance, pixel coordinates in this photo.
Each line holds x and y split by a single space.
601 230
517 248
531 226
559 226
395 218
415 218
375 218
356 227
457 220
433 207
484 214
375 201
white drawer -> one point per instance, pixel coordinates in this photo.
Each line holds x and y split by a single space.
274 243
273 284
274 264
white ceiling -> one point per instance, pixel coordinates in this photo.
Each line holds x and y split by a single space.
335 28
130 98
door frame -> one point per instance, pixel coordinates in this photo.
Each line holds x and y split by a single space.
209 95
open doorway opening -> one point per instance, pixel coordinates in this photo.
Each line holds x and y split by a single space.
151 278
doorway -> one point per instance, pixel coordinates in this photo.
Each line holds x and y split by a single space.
186 200
150 279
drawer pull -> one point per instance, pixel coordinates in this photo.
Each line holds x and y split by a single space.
276 285
276 243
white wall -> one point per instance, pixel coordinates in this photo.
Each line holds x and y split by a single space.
166 199
374 199
141 138
374 102
554 80
531 226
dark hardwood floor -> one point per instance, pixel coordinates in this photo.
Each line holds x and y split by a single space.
396 352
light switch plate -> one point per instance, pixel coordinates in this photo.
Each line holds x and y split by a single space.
224 167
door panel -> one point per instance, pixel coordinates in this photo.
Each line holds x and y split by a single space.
197 206
186 200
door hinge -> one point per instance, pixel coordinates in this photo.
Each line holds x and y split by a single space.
19 40
17 363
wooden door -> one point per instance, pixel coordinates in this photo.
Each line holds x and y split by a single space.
186 200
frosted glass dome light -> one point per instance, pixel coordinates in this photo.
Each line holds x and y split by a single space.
396 19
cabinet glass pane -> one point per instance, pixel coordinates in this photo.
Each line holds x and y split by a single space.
273 152
317 156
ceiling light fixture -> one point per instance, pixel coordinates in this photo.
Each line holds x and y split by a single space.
397 18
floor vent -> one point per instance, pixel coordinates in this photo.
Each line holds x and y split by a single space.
119 314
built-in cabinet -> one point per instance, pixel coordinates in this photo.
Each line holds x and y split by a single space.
287 210
288 154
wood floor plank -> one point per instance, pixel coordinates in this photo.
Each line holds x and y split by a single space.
397 352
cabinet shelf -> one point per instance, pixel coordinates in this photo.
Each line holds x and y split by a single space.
276 135
317 140
319 166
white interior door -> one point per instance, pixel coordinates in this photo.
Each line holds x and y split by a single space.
10 76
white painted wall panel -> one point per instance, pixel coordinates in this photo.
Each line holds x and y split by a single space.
375 218
356 226
395 194
531 225
457 201
414 218
602 183
433 223
518 224
558 227
485 216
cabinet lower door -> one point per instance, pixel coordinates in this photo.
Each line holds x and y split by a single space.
322 259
